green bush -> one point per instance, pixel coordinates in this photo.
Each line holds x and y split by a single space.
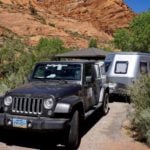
140 96
3 88
47 48
93 43
17 59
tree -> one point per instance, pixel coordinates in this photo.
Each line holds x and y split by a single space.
122 39
137 36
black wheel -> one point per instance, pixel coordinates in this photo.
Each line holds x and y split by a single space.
105 106
74 135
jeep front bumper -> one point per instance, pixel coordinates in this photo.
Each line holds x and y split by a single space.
33 123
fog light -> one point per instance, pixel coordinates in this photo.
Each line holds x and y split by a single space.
49 112
6 109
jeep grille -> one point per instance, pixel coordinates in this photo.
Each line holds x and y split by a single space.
29 106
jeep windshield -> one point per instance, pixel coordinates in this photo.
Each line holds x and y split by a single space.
55 71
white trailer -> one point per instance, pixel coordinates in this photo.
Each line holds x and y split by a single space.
124 68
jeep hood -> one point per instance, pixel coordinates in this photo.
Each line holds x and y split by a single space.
46 89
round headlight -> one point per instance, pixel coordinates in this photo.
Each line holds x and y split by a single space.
8 100
48 103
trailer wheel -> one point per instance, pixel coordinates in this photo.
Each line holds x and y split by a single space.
105 105
74 138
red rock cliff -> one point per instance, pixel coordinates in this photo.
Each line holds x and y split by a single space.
74 21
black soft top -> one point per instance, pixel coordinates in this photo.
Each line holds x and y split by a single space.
68 62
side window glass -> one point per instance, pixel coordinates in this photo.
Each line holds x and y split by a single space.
143 68
88 75
88 70
40 73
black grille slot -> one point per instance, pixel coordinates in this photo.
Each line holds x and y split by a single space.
22 105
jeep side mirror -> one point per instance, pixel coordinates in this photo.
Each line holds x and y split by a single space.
88 79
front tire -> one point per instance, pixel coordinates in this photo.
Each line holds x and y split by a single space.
74 135
105 105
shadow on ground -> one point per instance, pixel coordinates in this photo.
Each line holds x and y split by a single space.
120 98
43 141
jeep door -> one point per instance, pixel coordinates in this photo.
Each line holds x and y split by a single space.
89 86
100 78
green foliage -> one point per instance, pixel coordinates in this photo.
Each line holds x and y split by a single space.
140 96
93 43
142 124
3 88
9 54
137 37
17 59
15 63
122 39
47 48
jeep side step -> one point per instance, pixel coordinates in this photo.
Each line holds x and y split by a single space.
92 110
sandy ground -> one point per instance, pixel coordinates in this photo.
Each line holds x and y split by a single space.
99 133
108 133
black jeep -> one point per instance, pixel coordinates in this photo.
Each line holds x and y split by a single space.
58 97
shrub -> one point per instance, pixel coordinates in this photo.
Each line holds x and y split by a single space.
11 51
3 88
140 96
93 43
47 48
17 60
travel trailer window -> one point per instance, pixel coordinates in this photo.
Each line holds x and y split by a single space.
107 65
143 68
121 67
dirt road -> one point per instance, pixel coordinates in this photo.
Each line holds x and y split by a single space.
108 133
99 133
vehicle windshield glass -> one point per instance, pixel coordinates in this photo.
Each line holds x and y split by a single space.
121 67
57 71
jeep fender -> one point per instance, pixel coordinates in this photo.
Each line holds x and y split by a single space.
69 104
103 90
